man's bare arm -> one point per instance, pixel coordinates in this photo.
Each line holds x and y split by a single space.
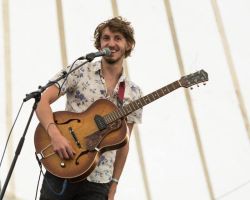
45 115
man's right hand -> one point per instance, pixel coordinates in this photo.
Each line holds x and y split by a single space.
60 144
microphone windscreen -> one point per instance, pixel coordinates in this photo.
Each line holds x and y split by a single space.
106 51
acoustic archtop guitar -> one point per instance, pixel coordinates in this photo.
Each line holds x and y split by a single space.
99 129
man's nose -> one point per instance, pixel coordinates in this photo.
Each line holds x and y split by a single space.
111 42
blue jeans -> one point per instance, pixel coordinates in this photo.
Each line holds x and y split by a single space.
83 190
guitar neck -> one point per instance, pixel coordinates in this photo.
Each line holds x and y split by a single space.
139 103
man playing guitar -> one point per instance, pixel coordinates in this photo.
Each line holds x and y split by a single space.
83 87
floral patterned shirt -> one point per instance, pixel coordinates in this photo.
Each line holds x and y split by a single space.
82 88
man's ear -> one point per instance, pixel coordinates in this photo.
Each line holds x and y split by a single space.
129 46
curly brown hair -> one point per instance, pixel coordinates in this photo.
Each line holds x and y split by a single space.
116 24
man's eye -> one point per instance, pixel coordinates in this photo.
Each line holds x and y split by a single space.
105 38
118 38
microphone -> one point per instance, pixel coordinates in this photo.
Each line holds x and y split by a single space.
103 52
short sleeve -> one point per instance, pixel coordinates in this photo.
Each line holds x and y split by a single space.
68 83
133 93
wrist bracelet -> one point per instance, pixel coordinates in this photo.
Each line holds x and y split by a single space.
114 180
49 126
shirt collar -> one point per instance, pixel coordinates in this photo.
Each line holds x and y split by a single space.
97 69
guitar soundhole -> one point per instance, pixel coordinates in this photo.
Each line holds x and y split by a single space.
78 157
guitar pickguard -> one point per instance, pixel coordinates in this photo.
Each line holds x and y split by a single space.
95 139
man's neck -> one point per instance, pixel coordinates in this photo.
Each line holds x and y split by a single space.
113 70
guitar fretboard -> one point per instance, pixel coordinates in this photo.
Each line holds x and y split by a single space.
139 103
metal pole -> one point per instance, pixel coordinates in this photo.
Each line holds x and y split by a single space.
188 97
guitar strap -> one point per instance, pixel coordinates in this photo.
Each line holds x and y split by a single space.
121 92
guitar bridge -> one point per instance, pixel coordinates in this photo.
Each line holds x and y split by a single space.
100 122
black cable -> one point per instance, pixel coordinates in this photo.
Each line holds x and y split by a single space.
38 182
60 87
65 182
7 141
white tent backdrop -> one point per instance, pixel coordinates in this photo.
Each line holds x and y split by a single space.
170 149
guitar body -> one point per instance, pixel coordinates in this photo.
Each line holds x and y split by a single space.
86 138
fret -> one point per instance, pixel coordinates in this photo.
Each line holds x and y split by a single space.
143 98
107 119
159 92
132 104
138 102
124 111
116 115
126 108
151 97
176 84
117 112
112 116
166 89
147 99
141 103
156 95
130 107
135 105
169 88
163 91
121 113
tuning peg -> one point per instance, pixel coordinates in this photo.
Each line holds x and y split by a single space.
198 85
191 88
204 83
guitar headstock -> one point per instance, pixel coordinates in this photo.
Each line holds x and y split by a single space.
194 78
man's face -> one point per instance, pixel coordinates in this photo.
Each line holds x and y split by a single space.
116 42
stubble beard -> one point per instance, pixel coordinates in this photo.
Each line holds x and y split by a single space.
111 61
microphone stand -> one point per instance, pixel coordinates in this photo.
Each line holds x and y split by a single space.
37 96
